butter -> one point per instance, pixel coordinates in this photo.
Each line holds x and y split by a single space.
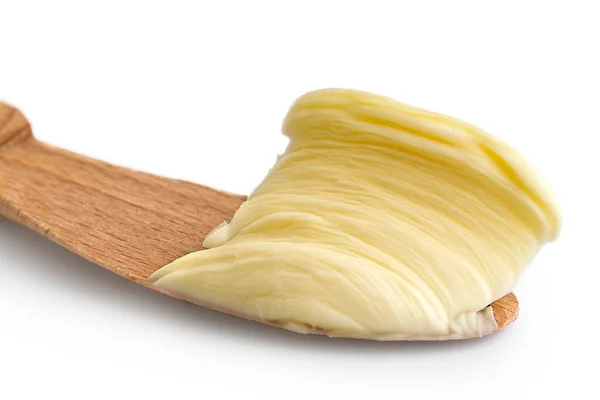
379 221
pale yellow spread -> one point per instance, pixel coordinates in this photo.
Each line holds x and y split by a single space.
380 221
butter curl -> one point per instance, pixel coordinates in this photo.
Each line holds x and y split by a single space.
379 221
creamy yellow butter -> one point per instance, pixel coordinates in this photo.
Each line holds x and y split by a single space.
379 221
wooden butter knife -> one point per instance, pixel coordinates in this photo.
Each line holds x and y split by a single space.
129 222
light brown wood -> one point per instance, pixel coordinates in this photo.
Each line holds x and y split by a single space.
129 222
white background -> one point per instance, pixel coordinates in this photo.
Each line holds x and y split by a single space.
197 90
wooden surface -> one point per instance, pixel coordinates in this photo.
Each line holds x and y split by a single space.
129 222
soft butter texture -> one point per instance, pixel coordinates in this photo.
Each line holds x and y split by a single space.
379 221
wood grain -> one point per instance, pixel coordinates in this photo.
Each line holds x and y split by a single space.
127 221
